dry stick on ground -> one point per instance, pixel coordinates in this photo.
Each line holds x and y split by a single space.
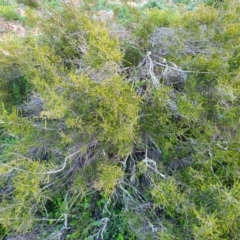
150 64
170 71
103 228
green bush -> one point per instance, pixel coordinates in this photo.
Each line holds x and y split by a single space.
9 12
155 18
117 139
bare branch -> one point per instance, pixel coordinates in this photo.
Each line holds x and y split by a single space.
150 163
61 167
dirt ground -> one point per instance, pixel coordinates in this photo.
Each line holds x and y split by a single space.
7 27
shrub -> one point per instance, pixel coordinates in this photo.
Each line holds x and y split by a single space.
9 13
111 150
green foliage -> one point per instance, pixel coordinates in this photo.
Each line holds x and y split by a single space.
132 56
30 3
32 17
234 61
166 195
118 113
118 227
7 2
108 178
156 4
90 42
200 15
3 232
126 14
155 18
103 151
9 12
13 82
17 212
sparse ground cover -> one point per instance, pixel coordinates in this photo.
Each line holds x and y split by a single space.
119 120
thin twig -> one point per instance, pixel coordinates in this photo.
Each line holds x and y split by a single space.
148 160
62 166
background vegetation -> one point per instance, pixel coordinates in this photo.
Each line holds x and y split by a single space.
120 122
